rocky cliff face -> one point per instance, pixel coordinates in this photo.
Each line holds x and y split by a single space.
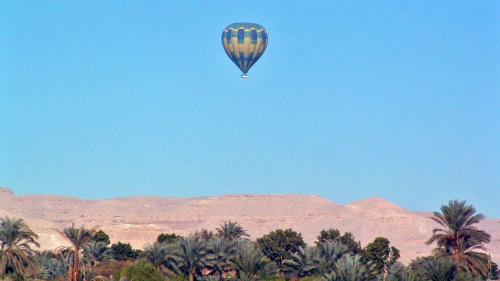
139 220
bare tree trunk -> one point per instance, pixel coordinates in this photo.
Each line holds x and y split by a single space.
84 270
456 257
75 265
456 254
386 267
71 271
386 271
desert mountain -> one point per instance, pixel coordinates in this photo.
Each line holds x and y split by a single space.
139 220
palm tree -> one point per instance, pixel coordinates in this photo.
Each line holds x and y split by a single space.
439 269
250 263
95 252
52 266
472 261
231 230
43 259
351 268
303 263
404 275
162 256
79 238
331 252
221 252
191 254
459 237
16 240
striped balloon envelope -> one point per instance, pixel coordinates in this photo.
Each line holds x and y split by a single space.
244 43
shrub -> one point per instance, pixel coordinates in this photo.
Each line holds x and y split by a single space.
142 271
111 267
179 277
310 278
273 278
11 277
124 251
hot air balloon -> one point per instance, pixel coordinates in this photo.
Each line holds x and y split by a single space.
244 43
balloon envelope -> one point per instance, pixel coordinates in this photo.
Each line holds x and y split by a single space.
244 43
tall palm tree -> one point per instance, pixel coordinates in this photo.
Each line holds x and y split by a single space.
221 252
16 241
473 261
459 237
79 238
303 263
192 256
231 230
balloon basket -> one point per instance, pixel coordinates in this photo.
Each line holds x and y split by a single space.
244 76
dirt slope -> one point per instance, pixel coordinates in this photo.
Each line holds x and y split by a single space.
139 220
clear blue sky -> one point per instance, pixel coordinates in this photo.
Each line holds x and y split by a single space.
397 99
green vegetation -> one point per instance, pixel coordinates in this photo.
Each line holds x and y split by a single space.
78 237
101 236
250 263
305 262
17 256
123 251
280 244
192 257
221 252
204 234
142 271
351 267
459 238
381 255
168 238
231 230
226 255
333 235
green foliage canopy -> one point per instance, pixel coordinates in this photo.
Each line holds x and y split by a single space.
123 251
101 236
280 244
333 235
16 241
142 271
380 253
168 238
231 230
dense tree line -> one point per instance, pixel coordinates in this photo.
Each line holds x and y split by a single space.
227 254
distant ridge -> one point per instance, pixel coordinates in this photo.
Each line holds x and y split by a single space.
140 219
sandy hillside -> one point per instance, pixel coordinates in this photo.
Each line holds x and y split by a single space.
139 220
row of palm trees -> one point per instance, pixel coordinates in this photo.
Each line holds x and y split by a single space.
229 255
222 257
59 263
18 257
